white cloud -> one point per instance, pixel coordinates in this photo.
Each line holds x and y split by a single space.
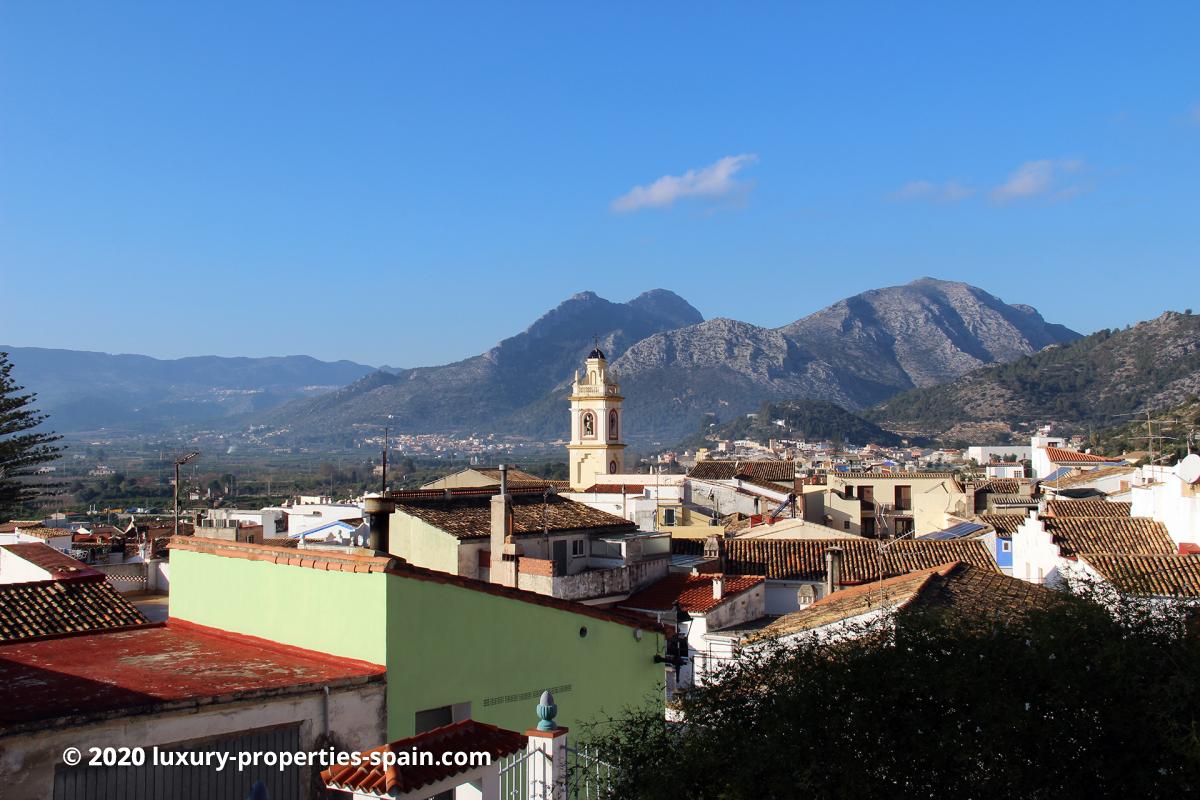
948 192
1036 178
715 180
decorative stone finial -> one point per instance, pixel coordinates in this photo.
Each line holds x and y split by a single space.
546 711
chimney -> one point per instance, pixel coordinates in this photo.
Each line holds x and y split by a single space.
379 511
833 570
501 532
718 587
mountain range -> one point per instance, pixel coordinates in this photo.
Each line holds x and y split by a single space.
854 353
674 366
1092 383
87 391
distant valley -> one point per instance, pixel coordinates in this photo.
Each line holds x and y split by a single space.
88 391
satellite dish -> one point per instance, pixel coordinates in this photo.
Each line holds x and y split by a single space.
1189 469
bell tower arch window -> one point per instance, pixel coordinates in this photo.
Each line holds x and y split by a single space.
588 424
613 433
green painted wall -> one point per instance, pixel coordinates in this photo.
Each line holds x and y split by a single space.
331 612
421 544
442 644
455 645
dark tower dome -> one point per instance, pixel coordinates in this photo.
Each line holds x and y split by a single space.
597 353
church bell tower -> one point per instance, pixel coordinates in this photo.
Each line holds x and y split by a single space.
596 448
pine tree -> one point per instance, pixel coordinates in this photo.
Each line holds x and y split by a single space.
22 449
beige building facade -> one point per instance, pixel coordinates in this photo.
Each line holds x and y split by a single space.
885 505
596 447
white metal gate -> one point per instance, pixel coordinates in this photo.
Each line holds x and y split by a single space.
588 776
526 776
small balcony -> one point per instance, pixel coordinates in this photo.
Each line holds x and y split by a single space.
895 509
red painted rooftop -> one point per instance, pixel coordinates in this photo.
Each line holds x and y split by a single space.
694 593
1060 455
153 667
58 564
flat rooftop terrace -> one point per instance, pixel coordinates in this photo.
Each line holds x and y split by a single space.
154 668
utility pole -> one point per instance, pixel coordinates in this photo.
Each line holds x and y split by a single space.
383 477
1150 437
178 463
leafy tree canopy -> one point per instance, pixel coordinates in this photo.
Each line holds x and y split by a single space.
1076 701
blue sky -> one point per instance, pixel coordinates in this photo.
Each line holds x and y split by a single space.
407 184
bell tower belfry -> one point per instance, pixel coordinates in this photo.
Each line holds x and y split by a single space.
596 448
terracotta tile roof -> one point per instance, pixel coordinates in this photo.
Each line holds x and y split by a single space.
1127 535
616 488
694 593
849 603
860 476
1060 455
1010 500
513 473
687 547
983 594
776 471
467 736
714 470
470 516
1175 575
804 559
1005 524
517 479
326 560
465 491
58 607
958 588
1086 508
58 564
763 483
284 542
12 525
96 546
42 532
156 667
1001 486
1084 478
347 562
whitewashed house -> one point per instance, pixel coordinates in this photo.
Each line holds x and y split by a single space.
709 602
1046 548
1171 495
